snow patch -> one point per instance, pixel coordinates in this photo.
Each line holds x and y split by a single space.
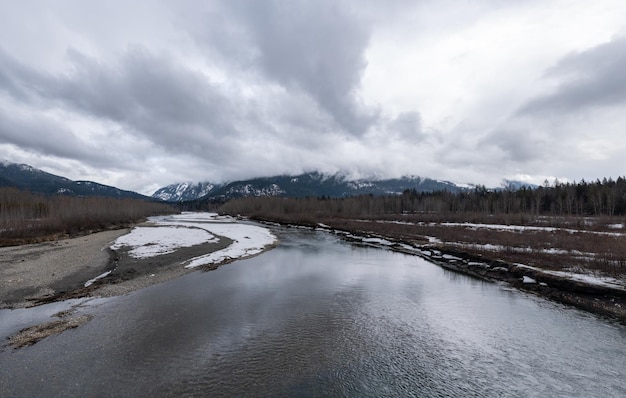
248 240
585 278
450 257
154 241
378 241
91 281
503 227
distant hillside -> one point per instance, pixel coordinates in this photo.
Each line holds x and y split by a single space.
25 177
308 184
185 191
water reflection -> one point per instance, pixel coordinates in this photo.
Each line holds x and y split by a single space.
318 317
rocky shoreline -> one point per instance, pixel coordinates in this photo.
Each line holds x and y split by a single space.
602 300
599 299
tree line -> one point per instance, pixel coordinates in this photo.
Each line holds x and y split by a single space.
599 198
26 216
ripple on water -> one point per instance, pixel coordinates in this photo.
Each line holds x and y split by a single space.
317 317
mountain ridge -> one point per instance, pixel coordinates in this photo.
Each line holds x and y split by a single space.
25 177
312 184
302 185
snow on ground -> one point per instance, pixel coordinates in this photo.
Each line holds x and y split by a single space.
522 228
248 240
592 280
187 229
154 241
450 257
377 241
501 248
585 278
604 281
499 227
92 281
504 227
432 240
194 218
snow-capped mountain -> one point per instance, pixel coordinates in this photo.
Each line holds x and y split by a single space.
517 185
183 191
308 184
26 177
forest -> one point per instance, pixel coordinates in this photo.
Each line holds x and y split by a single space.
27 217
565 227
600 198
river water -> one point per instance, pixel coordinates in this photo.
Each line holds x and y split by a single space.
319 317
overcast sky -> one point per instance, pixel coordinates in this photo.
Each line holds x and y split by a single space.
141 94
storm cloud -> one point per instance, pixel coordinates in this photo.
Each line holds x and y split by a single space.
587 79
152 93
315 47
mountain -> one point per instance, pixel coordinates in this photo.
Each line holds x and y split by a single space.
517 185
185 191
25 177
308 184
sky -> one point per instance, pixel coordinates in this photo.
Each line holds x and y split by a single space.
143 94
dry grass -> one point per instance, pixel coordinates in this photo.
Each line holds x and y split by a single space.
595 245
586 250
584 245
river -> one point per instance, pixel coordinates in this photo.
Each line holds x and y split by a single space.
319 317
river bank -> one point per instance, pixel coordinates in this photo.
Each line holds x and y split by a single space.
117 262
32 272
155 252
598 295
114 263
319 317
44 272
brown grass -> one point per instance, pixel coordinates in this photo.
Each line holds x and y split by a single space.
585 250
578 244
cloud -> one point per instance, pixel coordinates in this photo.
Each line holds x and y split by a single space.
517 146
566 129
407 126
585 80
145 95
223 90
314 47
298 93
16 79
